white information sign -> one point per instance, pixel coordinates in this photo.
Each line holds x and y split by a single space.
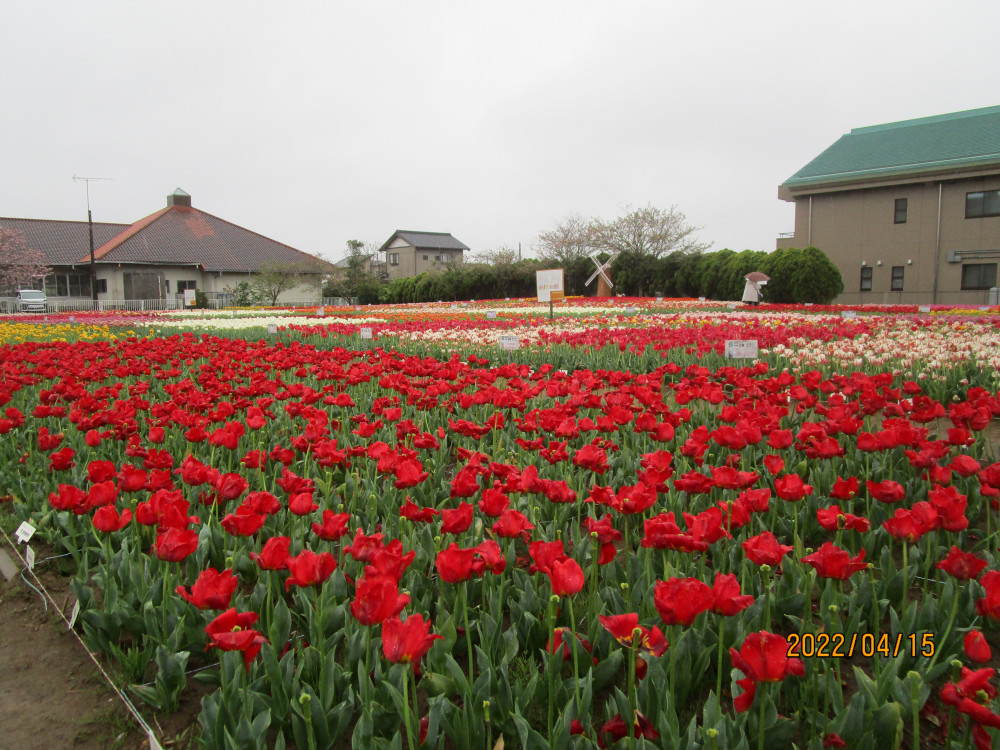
74 614
366 333
29 557
24 532
547 281
491 315
189 298
741 349
701 299
321 311
272 329
924 308
510 343
849 314
732 305
809 304
630 311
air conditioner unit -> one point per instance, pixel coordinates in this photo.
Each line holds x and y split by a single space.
954 257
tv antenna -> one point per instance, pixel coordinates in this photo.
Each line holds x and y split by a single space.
90 229
89 180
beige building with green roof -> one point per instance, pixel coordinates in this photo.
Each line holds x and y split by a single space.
908 211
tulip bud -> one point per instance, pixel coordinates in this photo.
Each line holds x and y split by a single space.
834 609
765 568
554 599
624 586
486 711
712 733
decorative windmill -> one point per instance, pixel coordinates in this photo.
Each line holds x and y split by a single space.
604 283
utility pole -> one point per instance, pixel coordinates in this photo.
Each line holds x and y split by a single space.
90 229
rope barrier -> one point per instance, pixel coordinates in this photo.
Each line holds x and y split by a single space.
153 742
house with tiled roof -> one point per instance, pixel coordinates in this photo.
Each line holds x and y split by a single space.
409 253
175 249
908 211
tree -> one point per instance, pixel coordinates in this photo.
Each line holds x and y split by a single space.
567 242
273 278
20 266
648 231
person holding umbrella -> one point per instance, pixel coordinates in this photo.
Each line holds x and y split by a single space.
751 292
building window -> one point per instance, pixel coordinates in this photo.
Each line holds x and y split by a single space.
978 205
866 278
183 286
437 257
393 259
68 285
102 286
900 214
425 257
979 275
166 285
897 278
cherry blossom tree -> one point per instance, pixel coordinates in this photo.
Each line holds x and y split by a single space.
20 266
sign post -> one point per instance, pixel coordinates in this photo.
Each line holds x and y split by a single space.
550 284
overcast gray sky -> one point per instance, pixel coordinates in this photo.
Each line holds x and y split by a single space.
315 123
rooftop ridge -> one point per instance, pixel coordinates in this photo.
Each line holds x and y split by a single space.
995 110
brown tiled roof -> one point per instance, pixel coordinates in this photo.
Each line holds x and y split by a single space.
182 235
63 242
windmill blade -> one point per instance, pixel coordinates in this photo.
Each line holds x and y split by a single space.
594 275
606 279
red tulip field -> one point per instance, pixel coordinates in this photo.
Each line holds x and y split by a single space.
477 527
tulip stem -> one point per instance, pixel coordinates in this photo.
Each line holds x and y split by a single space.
947 631
575 643
760 717
906 572
632 700
406 703
551 667
468 634
718 670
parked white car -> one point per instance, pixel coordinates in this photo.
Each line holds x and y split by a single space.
31 300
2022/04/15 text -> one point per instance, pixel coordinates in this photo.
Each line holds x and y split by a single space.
868 645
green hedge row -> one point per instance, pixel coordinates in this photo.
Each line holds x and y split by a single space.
797 275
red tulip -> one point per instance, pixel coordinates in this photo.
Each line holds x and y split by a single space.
566 577
961 565
243 522
512 524
764 549
830 561
231 631
457 520
408 640
680 600
106 519
455 564
886 491
174 544
791 487
274 555
101 471
623 628
334 526
976 647
763 657
309 569
376 599
833 518
212 590
989 606
728 599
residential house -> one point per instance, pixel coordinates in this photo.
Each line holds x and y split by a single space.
908 211
172 250
410 253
